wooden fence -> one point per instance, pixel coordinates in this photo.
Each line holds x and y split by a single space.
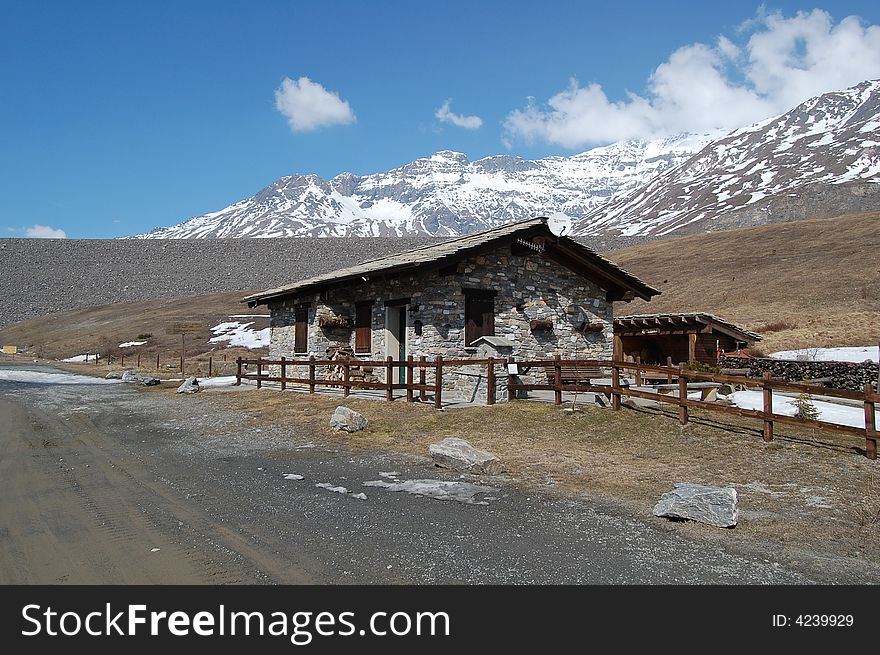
868 397
159 361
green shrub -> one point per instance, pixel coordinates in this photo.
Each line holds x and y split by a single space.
806 409
700 367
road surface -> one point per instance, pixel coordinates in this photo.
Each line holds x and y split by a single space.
117 484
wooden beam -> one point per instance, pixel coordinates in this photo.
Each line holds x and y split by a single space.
692 346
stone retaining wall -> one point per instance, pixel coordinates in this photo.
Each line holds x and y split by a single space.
845 375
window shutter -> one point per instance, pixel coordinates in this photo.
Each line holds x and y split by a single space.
301 329
363 334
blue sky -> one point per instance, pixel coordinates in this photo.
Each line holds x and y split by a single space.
118 117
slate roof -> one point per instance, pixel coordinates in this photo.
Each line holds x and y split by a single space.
437 255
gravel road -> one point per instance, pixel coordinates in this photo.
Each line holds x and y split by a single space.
118 484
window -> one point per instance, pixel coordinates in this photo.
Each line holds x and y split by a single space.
301 329
479 314
363 333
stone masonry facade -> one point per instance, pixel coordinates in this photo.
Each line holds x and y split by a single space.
529 287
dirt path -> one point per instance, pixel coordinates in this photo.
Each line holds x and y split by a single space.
95 478
76 509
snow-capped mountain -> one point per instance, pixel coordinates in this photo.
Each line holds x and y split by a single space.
444 194
820 158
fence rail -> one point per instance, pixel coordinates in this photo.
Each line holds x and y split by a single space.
868 397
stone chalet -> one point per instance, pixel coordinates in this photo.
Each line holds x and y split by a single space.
517 290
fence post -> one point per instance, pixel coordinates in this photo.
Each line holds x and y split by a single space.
139 360
346 377
422 367
311 374
871 434
490 382
237 371
638 360
511 393
259 372
122 362
409 378
682 394
557 380
157 362
96 359
181 364
438 382
768 407
283 372
670 365
210 365
389 378
615 383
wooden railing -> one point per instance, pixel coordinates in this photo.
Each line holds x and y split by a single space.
868 397
413 367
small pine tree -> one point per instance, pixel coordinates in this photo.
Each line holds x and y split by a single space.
806 409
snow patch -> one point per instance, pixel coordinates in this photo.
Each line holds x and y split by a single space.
857 354
240 334
82 358
37 377
828 412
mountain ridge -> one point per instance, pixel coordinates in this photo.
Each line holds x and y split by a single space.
821 158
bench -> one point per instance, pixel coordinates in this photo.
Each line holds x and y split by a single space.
571 374
708 390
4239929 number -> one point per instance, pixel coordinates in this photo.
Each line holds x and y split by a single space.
814 621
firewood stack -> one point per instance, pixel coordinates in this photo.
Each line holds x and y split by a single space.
357 371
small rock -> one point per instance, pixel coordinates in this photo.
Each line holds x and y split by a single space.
459 455
712 505
148 381
347 419
129 376
292 476
191 385
360 496
113 375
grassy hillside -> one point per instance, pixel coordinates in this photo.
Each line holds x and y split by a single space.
818 280
101 329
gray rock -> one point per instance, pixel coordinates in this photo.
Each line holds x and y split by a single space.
347 419
712 505
191 385
458 454
129 376
113 375
148 381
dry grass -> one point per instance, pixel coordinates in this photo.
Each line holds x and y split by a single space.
791 491
819 275
102 329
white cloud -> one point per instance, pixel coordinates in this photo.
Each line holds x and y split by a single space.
700 87
445 115
308 106
44 232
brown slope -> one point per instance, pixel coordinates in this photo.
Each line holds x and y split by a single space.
820 275
101 329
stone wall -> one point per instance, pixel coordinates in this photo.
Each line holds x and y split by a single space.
845 375
529 287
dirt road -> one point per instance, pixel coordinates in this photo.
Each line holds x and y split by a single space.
117 484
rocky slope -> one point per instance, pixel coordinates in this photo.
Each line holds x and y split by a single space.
822 158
